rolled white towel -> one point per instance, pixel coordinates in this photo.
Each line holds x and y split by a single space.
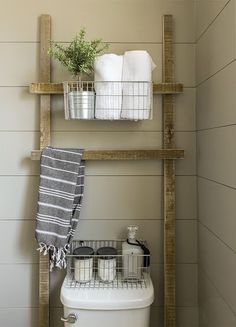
137 86
107 69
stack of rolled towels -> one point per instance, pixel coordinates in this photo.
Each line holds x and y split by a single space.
123 85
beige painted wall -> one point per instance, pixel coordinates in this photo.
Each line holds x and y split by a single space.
216 133
114 191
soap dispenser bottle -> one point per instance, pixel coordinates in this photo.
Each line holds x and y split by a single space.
132 256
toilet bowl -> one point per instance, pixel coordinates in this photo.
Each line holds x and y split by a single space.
105 307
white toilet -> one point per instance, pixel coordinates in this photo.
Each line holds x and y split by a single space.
106 307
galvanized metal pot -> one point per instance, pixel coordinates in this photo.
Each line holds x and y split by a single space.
79 104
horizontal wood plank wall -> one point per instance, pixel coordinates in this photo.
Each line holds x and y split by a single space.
216 125
124 181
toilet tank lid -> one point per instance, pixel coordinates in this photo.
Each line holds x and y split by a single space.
107 298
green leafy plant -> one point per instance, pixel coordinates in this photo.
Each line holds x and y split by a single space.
78 57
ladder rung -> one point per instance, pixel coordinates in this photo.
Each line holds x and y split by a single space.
125 154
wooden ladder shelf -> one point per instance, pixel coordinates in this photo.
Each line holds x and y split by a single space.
169 153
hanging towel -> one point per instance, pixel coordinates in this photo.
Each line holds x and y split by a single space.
108 88
59 201
137 86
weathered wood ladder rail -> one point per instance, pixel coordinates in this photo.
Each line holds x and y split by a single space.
167 89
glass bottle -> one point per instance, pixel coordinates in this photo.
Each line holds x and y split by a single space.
132 256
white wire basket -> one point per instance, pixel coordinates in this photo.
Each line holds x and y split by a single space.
108 100
106 271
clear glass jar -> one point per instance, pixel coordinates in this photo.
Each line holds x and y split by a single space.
107 263
83 264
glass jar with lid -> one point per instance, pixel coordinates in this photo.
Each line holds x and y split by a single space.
83 264
107 263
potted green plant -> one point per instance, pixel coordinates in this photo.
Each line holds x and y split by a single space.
78 58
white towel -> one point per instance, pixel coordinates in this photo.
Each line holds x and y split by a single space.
137 96
107 69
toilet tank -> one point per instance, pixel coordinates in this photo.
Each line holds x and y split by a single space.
106 307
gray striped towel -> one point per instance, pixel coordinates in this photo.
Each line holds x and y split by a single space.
59 201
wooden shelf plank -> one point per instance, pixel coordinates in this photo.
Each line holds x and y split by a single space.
46 88
168 88
125 154
57 88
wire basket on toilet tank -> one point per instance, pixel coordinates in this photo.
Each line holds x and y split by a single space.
101 264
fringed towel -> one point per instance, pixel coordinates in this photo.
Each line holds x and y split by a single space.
59 201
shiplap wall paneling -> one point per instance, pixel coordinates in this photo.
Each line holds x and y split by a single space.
216 132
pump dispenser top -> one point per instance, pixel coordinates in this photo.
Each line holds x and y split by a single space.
132 233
